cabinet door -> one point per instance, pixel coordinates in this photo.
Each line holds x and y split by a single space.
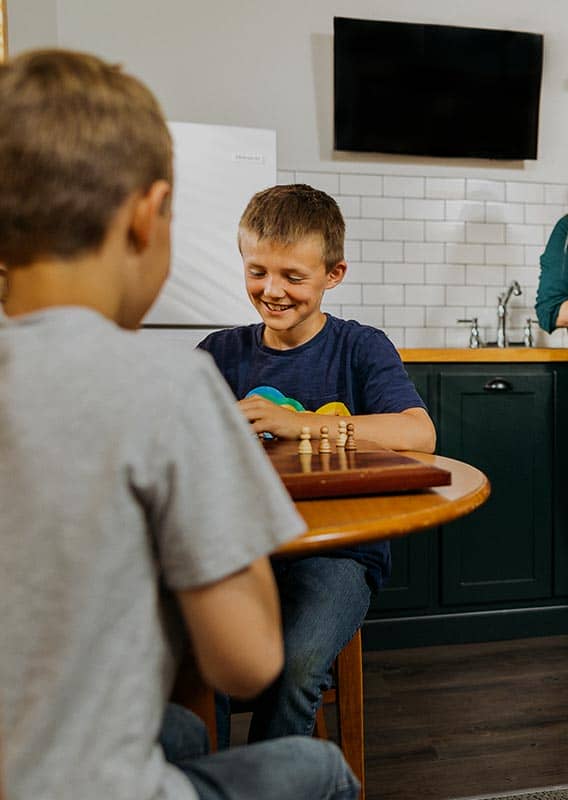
502 423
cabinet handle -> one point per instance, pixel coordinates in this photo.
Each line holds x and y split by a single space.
498 385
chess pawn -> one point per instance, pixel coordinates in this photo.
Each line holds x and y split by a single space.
324 445
350 441
305 446
341 434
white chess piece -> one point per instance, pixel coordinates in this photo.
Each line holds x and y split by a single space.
305 445
341 434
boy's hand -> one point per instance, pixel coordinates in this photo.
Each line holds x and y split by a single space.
267 417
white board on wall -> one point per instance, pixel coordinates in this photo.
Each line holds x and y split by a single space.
217 170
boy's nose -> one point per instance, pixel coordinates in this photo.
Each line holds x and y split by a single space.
273 287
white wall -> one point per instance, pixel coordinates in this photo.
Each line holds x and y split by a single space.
267 63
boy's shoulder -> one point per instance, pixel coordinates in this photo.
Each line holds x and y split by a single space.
86 347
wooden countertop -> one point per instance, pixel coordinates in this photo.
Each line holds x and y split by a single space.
488 355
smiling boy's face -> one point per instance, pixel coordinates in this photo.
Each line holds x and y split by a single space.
286 285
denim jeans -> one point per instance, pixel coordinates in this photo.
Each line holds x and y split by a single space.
324 602
292 768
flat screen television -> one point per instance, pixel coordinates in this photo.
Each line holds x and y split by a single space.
436 90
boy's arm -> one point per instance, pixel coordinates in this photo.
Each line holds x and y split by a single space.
411 429
235 629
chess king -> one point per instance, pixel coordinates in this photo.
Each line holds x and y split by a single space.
300 359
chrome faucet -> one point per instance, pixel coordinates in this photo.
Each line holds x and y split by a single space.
502 301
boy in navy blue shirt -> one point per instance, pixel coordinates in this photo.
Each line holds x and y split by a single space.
299 359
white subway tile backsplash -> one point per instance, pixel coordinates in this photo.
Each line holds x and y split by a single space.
442 316
488 233
364 228
445 231
404 316
526 276
504 254
382 251
425 337
364 272
447 274
432 252
326 181
466 210
420 295
518 192
446 188
346 293
464 295
533 254
504 212
396 335
542 213
403 231
465 253
478 275
367 315
424 209
556 193
484 190
388 294
426 251
361 184
404 273
402 186
525 234
382 207
352 250
350 205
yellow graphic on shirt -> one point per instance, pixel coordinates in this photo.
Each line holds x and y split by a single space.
335 408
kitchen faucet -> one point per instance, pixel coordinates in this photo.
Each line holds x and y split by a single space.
502 301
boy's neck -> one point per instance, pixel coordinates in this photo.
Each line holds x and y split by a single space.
293 337
52 282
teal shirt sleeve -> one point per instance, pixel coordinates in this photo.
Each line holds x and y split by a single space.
553 283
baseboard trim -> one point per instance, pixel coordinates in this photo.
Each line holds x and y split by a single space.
390 633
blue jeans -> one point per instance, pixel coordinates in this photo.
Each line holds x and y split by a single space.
292 768
324 602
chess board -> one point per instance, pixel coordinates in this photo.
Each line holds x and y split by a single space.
344 473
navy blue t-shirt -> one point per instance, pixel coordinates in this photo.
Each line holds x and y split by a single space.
349 367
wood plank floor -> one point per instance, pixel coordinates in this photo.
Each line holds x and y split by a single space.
464 720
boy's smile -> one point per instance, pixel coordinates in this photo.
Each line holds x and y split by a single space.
285 284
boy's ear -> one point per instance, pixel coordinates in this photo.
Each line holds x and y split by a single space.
146 212
336 275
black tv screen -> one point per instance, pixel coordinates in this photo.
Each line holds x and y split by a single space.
436 90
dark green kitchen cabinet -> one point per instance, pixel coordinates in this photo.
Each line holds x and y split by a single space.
502 422
502 571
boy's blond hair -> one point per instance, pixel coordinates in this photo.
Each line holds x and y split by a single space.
77 137
288 213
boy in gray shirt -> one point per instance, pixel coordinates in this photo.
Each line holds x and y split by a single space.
135 508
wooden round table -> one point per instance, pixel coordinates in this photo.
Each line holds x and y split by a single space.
336 522
342 521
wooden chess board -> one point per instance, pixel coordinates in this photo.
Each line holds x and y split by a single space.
344 473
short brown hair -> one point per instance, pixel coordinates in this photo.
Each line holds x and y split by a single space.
290 212
77 136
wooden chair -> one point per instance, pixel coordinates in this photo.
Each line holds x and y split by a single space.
347 694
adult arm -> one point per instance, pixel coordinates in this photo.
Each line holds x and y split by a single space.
235 630
552 294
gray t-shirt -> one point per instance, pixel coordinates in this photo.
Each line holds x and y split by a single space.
126 471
